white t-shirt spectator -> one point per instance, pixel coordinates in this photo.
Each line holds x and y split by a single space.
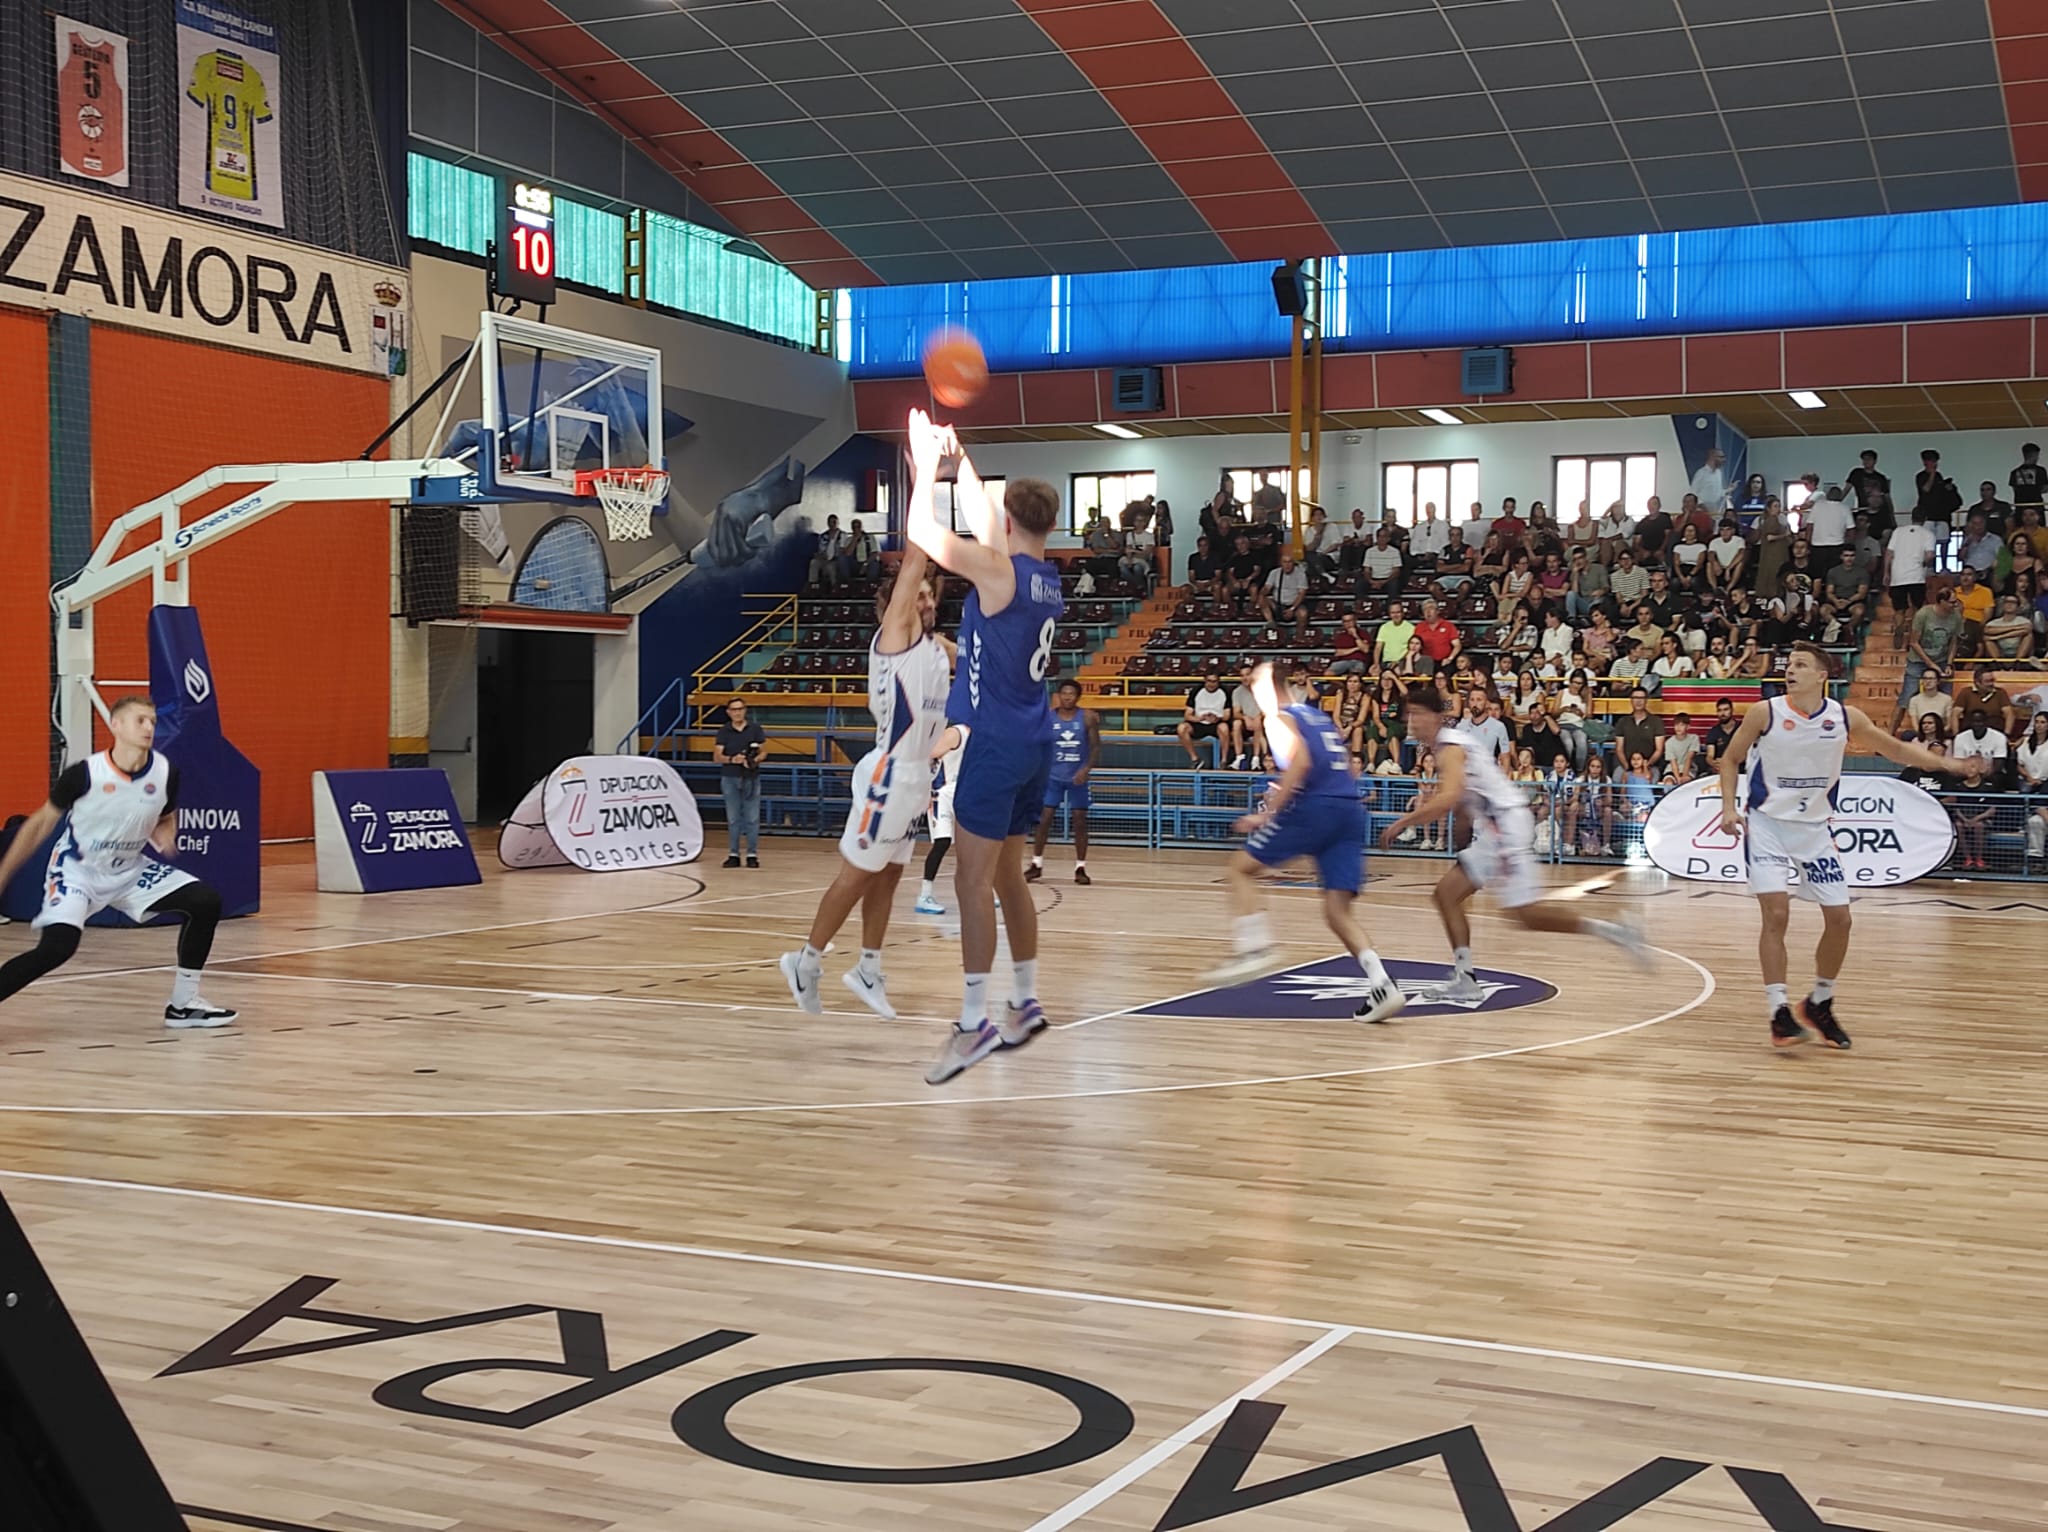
1912 554
1287 586
1558 641
1214 701
1711 486
1672 667
1616 525
1827 522
1992 745
1382 562
1428 538
1727 548
2033 761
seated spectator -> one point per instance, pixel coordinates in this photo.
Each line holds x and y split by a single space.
1319 545
1526 702
1587 587
1640 733
1752 664
2009 635
1416 665
1541 736
1556 641
1135 563
1350 647
1518 633
1454 566
1582 536
1206 719
1638 796
1524 771
1846 590
1689 560
1719 664
1617 530
1629 664
1247 725
1203 569
863 558
2032 760
1653 534
825 557
1553 580
1790 612
1982 738
1602 641
1649 636
1430 535
1492 562
1104 543
1717 738
1388 726
1284 596
1570 706
1354 705
1516 586
1543 537
1439 635
1976 604
1681 751
1381 564
1243 573
1985 695
1727 556
1926 699
1629 581
1930 734
1671 664
1357 538
1511 527
1391 642
1592 810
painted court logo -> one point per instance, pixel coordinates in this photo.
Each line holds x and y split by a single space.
1334 988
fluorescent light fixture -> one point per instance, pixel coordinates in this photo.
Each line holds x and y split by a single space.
1111 428
1807 399
1442 417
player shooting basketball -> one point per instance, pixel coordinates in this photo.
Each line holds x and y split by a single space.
123 804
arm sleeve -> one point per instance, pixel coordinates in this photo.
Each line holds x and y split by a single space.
71 785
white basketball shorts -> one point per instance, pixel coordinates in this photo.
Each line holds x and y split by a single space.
890 794
73 893
1502 858
1789 856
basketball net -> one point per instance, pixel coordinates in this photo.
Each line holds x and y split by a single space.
629 496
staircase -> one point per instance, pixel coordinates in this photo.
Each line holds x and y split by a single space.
1107 664
1881 668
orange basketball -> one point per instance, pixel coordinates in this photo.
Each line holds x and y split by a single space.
955 368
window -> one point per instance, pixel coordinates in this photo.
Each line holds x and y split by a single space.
946 503
1107 492
1245 480
1451 486
1597 482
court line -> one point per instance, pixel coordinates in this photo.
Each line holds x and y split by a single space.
1065 1295
1706 993
1193 1431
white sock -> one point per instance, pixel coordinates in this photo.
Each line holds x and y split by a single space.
925 892
1038 861
185 988
1775 998
1023 980
974 1002
1080 862
1254 933
870 964
1461 961
1375 971
810 960
1823 989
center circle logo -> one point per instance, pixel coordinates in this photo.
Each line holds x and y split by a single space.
1333 989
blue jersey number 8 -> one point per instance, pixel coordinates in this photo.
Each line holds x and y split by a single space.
1043 657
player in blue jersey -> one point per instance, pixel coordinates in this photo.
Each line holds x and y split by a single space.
1076 741
1311 810
1005 645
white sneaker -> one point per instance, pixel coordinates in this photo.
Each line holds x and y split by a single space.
199 1013
1020 1023
1634 941
872 994
1383 1004
804 990
962 1050
927 905
1247 965
1461 989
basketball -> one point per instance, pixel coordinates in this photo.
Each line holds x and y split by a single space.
955 368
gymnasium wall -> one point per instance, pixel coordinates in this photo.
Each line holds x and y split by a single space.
24 561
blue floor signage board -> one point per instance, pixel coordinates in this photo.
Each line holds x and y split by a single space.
378 831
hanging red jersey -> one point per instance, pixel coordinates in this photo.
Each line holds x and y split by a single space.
92 123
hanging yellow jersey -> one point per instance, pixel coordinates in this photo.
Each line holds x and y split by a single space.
236 99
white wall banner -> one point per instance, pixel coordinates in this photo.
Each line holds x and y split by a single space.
605 813
113 260
1886 831
92 102
228 106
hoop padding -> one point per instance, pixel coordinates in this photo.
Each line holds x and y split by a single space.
629 496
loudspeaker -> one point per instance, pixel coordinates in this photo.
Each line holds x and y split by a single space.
1290 290
69 1460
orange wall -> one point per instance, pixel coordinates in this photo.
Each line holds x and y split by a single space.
24 562
296 609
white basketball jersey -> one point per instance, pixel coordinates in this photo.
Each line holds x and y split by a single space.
1488 792
1796 763
907 695
112 822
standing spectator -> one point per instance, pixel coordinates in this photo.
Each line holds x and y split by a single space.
1908 560
1391 641
1710 484
1931 643
2029 481
1868 485
1380 565
1592 809
1935 498
1826 520
737 753
1206 717
1162 537
1571 707
1773 543
1284 597
1439 635
1749 505
1390 720
825 558
1350 648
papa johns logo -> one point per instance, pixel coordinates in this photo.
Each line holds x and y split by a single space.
1332 989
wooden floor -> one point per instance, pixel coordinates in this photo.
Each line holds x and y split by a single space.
697 1261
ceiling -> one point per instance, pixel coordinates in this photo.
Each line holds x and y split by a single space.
896 141
1850 412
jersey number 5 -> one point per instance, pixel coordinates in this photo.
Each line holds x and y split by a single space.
1043 656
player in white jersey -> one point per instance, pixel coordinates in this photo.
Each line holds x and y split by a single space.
122 807
1797 742
910 671
952 749
1501 857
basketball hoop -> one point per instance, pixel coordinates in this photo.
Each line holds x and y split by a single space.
628 495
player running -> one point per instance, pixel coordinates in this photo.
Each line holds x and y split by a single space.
1798 741
1502 855
1076 743
122 803
1006 636
909 674
1311 810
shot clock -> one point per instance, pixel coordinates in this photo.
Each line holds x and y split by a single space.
525 264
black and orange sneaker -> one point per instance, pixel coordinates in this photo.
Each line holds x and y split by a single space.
1785 1032
1820 1015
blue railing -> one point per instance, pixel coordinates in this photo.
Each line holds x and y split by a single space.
1170 810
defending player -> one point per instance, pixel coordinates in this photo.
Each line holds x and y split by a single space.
1312 810
1076 743
123 802
1798 741
909 673
1502 854
951 746
1006 636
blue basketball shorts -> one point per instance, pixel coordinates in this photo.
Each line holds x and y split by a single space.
1329 831
1002 786
1073 794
